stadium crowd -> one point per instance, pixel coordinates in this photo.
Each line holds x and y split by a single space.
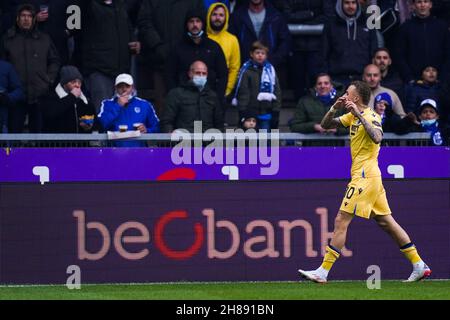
201 58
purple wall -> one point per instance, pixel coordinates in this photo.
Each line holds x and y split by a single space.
40 236
146 164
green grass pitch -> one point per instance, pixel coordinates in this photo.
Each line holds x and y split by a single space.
354 290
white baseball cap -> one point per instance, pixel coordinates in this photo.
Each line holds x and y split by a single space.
124 78
429 102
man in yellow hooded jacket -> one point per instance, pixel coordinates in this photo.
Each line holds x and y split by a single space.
217 26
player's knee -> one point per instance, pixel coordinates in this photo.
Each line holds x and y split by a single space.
383 224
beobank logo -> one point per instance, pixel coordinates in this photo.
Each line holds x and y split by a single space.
204 232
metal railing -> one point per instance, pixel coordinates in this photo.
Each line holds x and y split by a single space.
168 140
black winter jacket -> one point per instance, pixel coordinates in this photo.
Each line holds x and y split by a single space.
104 37
309 12
422 43
208 51
35 59
187 104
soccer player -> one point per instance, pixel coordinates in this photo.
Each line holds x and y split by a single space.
365 196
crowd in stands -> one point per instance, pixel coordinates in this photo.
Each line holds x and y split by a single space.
202 58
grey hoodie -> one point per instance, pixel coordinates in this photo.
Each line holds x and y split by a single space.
351 21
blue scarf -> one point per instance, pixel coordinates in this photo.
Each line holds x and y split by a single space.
433 129
267 85
327 99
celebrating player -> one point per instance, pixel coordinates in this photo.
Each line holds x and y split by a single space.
365 196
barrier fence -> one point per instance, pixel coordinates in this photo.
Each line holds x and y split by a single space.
168 140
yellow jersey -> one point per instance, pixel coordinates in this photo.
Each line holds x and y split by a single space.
363 150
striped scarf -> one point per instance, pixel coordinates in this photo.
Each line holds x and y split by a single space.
267 85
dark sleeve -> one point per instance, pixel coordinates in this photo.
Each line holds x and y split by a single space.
283 43
373 44
172 70
402 54
446 66
148 34
277 103
218 115
222 73
54 107
411 98
15 91
53 62
244 92
324 55
300 122
170 113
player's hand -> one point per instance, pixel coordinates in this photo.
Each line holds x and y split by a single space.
351 107
340 103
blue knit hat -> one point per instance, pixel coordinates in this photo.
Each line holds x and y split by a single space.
384 96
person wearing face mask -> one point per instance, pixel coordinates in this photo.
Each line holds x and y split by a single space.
311 108
197 46
192 101
426 120
126 109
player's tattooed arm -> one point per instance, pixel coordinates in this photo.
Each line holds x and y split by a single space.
374 133
329 121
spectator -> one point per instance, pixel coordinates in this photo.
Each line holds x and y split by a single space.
105 45
423 41
348 44
196 46
259 20
125 108
427 120
383 106
249 120
66 109
428 87
36 60
10 92
164 28
372 76
312 108
51 18
193 101
217 26
305 62
258 88
389 76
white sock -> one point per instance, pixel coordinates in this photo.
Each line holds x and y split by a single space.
419 265
323 273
